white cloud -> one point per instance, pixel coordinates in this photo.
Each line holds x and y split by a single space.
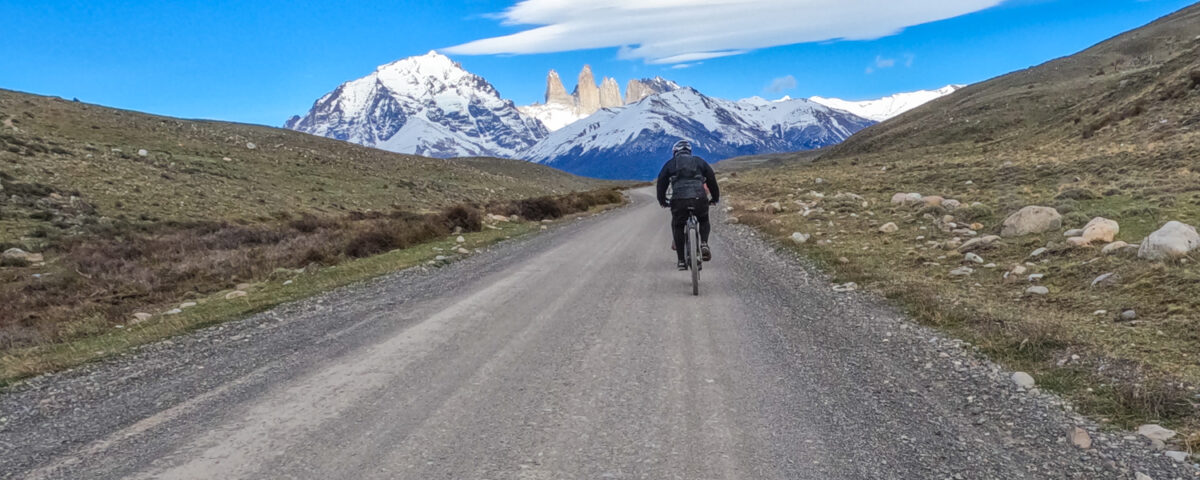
681 31
782 84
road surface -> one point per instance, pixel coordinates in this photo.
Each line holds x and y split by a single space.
576 354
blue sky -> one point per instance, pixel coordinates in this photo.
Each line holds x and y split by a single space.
263 61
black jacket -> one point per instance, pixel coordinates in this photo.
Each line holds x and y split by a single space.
687 174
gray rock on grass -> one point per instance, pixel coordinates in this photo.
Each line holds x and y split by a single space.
1031 219
1173 240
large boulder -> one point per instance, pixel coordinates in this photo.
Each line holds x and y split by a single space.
1173 240
1101 229
1032 219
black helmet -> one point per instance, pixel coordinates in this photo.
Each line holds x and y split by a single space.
681 146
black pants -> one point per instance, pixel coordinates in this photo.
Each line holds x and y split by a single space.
679 216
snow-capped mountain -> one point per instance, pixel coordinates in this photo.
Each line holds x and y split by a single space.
632 142
887 107
425 105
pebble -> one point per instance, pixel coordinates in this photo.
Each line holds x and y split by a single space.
962 271
1037 290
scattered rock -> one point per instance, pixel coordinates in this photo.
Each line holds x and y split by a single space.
1142 476
933 201
1176 455
1173 240
461 239
1037 290
951 204
287 282
962 271
1036 277
251 145
1031 219
16 254
187 305
140 317
1128 315
800 237
843 260
1100 229
1107 280
173 311
242 286
731 220
889 227
235 294
846 287
976 226
906 199
1023 380
1080 438
1037 253
463 251
143 152
1113 248
773 208
1078 242
440 258
1155 431
981 243
972 258
1074 232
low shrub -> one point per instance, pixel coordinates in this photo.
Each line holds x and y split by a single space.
117 267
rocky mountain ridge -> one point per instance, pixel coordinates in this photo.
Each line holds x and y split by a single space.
425 105
561 109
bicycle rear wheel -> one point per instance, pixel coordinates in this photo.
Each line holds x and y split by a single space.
693 240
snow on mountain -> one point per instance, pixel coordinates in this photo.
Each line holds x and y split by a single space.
632 142
425 105
553 115
887 107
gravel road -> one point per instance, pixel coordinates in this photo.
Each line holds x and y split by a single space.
575 354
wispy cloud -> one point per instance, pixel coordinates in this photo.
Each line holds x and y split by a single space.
882 62
682 31
781 84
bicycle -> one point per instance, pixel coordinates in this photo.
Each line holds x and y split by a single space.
691 245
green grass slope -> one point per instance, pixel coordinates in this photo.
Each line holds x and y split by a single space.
70 162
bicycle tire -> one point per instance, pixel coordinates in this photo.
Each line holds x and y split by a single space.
694 252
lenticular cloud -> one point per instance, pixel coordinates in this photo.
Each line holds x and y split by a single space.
676 31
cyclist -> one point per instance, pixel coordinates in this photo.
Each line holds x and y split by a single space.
687 175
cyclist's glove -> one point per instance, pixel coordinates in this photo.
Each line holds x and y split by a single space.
664 204
712 202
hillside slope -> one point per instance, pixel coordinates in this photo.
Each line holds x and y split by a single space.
70 162
1138 86
1112 132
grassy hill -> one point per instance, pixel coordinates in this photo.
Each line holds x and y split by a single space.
1114 132
120 164
127 219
